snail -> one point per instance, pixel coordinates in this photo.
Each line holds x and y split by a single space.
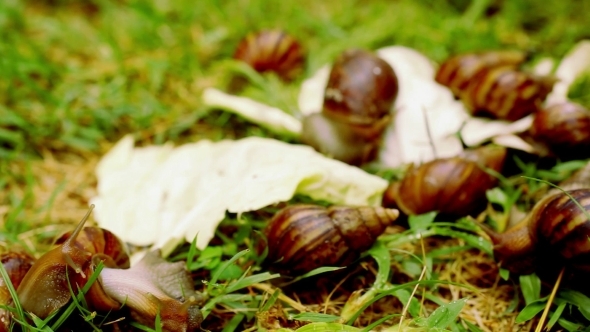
554 234
151 286
565 129
506 93
360 93
457 71
452 186
16 264
491 84
272 50
303 237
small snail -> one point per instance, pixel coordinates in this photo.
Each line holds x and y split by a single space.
554 234
357 106
151 286
304 237
491 84
452 186
16 264
457 71
272 50
565 129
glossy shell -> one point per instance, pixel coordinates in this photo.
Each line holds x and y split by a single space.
16 264
304 237
565 129
505 93
272 50
361 89
100 241
558 223
552 236
457 71
452 186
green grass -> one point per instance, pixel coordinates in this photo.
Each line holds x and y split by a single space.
75 76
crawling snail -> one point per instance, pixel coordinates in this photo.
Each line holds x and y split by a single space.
150 287
554 234
452 186
357 106
272 50
565 129
304 237
491 84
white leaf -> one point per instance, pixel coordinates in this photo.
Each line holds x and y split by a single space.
164 195
574 64
269 117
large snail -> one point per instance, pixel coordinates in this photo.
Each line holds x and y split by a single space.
150 287
565 129
357 106
304 237
452 186
554 234
491 84
272 51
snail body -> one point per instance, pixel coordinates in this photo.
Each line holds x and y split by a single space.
274 51
554 233
304 237
491 84
452 186
357 106
564 128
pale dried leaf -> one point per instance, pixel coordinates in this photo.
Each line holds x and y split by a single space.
164 195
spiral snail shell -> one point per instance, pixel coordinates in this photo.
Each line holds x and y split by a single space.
554 234
304 237
272 50
357 106
490 84
452 186
457 71
564 128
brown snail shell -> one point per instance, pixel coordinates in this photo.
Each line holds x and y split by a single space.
457 71
304 237
357 106
16 264
564 128
554 234
361 91
506 93
272 50
452 186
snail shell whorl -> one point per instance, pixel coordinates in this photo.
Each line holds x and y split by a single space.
303 237
457 71
452 186
565 128
554 234
563 227
506 93
272 50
